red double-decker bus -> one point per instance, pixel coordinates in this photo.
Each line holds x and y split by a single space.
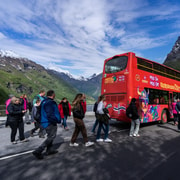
154 85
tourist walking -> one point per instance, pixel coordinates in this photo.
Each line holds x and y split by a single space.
96 121
41 97
36 119
65 111
49 118
103 118
78 115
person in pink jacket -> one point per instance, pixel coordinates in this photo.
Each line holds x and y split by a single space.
175 112
25 104
8 101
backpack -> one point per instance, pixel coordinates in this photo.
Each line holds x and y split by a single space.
129 111
35 99
37 115
95 107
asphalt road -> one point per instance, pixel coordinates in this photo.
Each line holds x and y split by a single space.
153 155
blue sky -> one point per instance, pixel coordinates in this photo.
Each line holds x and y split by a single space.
76 36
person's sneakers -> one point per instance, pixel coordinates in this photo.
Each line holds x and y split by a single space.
107 140
31 134
74 144
131 135
37 155
51 152
41 136
66 128
99 140
136 135
93 133
87 144
24 140
14 142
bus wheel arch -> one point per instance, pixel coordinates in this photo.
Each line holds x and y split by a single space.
164 116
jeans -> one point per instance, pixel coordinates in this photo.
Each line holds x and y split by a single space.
135 124
106 130
64 121
175 118
14 125
38 126
51 131
95 125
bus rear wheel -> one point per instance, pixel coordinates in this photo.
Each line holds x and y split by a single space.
164 117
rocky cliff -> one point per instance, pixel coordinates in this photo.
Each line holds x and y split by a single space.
173 58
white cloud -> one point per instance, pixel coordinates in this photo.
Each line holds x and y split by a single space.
83 32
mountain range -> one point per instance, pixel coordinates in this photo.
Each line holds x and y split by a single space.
22 76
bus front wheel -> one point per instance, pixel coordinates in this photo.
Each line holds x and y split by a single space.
164 117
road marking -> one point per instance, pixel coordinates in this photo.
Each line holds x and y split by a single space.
15 155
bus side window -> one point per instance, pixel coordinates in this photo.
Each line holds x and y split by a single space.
162 100
156 101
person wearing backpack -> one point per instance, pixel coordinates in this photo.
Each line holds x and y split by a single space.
103 118
96 122
132 113
36 118
50 116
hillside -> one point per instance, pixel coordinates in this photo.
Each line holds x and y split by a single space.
21 76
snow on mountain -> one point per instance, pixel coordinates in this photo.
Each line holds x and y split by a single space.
51 66
59 70
8 53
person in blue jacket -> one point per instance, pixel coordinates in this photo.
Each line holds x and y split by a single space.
49 118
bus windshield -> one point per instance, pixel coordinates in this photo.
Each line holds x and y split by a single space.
116 64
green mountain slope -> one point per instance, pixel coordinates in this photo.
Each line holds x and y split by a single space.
21 76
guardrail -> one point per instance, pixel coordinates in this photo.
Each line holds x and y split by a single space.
3 109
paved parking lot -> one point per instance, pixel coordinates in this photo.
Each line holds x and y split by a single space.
153 155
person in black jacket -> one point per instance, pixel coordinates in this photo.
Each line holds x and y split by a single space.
78 115
15 120
177 108
135 121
